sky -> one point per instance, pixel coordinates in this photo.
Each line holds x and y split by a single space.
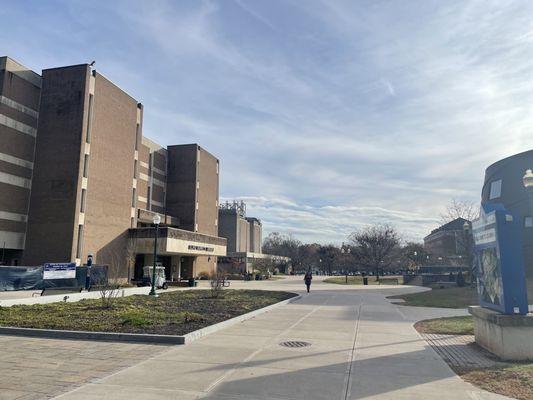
327 116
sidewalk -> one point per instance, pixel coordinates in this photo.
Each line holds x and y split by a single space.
360 347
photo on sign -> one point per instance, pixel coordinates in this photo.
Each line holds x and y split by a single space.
490 285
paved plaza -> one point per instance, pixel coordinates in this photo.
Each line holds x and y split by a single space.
352 344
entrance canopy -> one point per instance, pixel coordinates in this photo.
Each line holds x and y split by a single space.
172 241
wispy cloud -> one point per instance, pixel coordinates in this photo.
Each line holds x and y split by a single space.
326 115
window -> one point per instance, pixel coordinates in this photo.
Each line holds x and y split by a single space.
82 202
528 222
80 241
133 197
86 166
137 138
495 189
132 223
135 169
89 119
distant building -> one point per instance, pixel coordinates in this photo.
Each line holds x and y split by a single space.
448 243
234 226
20 89
256 235
244 239
96 182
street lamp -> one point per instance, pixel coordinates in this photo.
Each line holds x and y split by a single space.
345 250
157 221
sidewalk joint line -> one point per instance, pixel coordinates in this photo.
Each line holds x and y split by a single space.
268 342
348 379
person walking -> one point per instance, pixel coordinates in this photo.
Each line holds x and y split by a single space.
307 279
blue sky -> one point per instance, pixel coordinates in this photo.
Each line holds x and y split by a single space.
326 115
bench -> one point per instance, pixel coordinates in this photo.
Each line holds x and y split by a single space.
389 281
61 290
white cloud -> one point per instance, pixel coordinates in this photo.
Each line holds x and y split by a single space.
326 115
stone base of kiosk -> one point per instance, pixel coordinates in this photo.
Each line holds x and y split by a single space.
510 337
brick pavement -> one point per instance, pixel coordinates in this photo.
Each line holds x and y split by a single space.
460 351
32 368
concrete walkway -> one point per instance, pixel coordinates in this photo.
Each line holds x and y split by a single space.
361 347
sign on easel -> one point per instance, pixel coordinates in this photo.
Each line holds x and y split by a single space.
501 278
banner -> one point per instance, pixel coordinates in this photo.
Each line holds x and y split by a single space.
59 271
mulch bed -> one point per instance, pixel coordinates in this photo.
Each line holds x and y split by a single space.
172 313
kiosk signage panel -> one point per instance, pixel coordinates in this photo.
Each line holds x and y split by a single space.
499 260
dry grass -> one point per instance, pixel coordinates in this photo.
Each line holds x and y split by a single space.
447 326
455 297
513 379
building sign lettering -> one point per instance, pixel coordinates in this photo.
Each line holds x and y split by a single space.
201 248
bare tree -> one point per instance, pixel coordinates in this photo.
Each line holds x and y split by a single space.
284 245
329 257
375 246
460 209
414 254
265 266
217 284
110 288
131 253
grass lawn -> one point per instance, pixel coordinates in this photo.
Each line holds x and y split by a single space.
506 378
455 297
172 313
354 280
447 326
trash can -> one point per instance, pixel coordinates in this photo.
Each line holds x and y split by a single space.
192 282
365 280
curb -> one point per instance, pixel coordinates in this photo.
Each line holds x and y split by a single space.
192 336
140 337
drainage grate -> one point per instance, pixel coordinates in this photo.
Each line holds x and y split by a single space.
295 344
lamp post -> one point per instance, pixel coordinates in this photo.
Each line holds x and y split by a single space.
345 251
469 248
157 221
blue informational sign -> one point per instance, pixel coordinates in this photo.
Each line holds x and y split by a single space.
501 275
59 271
